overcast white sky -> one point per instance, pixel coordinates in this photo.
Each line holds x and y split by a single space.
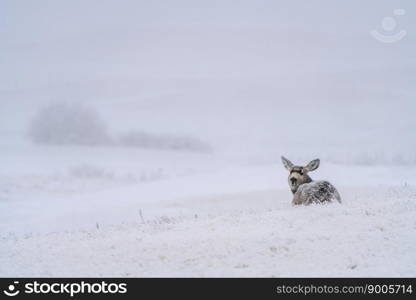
265 59
45 41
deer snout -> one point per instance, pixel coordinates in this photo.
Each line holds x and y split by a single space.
293 181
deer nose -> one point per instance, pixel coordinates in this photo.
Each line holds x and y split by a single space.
292 180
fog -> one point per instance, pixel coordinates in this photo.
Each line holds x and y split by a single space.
275 74
143 124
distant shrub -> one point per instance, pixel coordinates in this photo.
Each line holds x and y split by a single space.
68 124
87 171
165 142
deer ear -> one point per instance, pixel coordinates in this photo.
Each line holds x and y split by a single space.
313 165
287 163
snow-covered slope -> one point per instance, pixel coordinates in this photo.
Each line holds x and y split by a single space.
254 233
211 221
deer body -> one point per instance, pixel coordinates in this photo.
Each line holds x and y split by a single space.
305 190
315 192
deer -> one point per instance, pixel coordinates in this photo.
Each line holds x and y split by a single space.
305 190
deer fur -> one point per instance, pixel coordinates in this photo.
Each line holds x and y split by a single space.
305 190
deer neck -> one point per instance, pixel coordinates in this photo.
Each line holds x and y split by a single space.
307 179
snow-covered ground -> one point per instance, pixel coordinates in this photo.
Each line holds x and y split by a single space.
216 221
197 103
366 237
